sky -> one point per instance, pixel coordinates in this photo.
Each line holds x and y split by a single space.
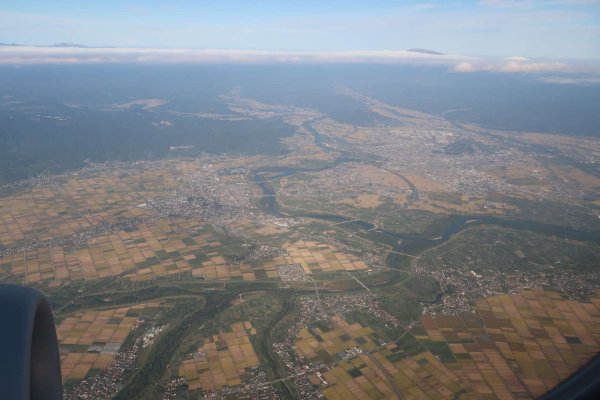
553 29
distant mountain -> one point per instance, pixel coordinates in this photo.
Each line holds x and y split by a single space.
425 51
10 44
79 46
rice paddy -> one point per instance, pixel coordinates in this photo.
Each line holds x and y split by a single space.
89 340
320 257
368 377
221 360
79 202
529 341
515 346
160 248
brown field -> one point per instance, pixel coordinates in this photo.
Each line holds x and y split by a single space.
516 346
90 339
221 360
563 142
584 180
317 257
439 202
419 377
160 248
110 255
424 183
266 228
303 148
526 171
363 201
314 342
80 202
530 342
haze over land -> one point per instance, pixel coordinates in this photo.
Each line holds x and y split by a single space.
179 214
306 200
56 117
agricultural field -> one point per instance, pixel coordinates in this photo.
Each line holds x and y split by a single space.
270 227
160 248
317 257
76 203
362 364
368 377
518 345
90 339
536 339
407 257
485 260
334 339
221 360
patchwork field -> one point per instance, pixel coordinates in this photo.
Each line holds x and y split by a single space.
529 341
89 340
362 369
516 346
333 340
221 360
268 227
320 257
160 248
368 377
74 204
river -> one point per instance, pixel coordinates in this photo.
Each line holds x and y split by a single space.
406 243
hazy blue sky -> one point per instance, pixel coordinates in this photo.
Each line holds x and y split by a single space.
531 28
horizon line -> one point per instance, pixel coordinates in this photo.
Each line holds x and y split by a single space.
72 53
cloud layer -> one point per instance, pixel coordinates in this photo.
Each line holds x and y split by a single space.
72 55
514 65
25 55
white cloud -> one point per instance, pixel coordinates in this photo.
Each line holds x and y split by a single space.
24 55
67 55
513 65
562 80
534 67
464 67
516 58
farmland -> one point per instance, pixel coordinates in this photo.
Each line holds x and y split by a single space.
89 340
413 258
518 345
221 360
322 257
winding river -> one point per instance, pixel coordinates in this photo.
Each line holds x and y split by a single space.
406 243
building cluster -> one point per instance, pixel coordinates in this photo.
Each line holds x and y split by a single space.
366 301
108 382
292 273
80 238
461 286
342 181
416 149
150 335
173 387
299 369
206 195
